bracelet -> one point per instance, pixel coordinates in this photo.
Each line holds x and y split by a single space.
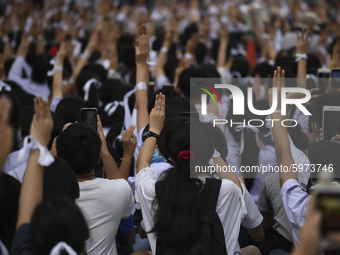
60 68
300 56
150 63
164 49
126 160
216 154
141 86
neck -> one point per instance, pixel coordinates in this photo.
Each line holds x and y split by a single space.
86 177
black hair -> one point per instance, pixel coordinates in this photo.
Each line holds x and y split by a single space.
264 69
84 77
201 52
9 207
15 109
184 80
177 214
313 61
99 70
26 121
80 146
98 169
124 43
129 57
219 139
68 109
176 106
108 90
60 180
26 100
58 220
298 137
40 67
241 65
170 66
8 65
330 99
287 61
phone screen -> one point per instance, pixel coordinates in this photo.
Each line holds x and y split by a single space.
336 78
329 205
89 115
331 124
323 78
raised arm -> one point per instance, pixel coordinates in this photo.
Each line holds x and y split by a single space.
111 169
301 56
280 133
58 75
163 52
222 50
7 131
129 145
142 52
32 186
157 116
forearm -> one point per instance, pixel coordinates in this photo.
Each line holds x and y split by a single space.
146 153
301 74
110 166
67 89
58 81
141 98
160 63
31 189
125 166
227 174
39 46
222 51
282 147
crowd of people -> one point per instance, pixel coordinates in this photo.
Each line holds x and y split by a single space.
126 186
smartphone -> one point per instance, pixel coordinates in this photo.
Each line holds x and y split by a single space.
335 74
323 77
330 122
327 201
89 115
193 115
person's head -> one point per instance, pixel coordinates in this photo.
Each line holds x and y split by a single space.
26 100
87 85
330 99
201 52
59 180
108 90
176 106
99 70
26 121
80 146
40 67
9 207
68 109
184 79
15 109
241 66
299 138
177 194
58 220
263 69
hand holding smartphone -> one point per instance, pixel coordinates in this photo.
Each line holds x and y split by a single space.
89 115
330 122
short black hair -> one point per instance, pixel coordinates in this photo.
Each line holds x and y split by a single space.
40 67
68 109
80 146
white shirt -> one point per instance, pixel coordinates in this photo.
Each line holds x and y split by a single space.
295 201
15 168
230 208
26 84
104 203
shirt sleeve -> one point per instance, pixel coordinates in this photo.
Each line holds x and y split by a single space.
22 243
125 226
55 102
162 80
253 217
295 201
263 203
15 73
130 201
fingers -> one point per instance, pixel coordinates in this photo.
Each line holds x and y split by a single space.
156 101
163 103
336 137
275 79
283 75
100 127
67 125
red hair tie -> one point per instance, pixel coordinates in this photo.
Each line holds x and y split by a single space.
186 155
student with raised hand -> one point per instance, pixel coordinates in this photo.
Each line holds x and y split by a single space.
170 206
55 225
295 198
104 202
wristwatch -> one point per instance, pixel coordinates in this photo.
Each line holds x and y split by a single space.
147 134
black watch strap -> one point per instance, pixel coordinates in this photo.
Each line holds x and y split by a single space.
151 134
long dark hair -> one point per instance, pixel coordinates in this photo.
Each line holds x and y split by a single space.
177 213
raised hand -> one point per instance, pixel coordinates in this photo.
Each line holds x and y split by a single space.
42 123
129 140
142 49
23 48
62 53
157 114
302 41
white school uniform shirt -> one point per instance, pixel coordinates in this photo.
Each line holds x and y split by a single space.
27 84
104 203
230 208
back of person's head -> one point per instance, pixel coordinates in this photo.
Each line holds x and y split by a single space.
288 61
26 121
313 61
98 69
241 66
329 99
58 220
298 137
177 213
40 67
263 69
184 79
60 180
26 100
68 109
9 207
87 85
201 52
176 106
80 146
108 90
129 57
